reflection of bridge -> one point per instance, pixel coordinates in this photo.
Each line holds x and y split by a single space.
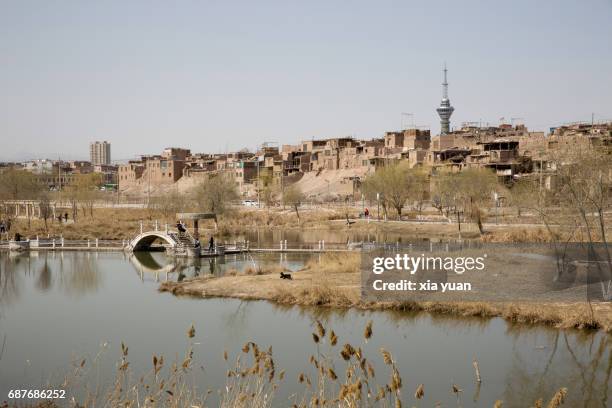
145 263
145 240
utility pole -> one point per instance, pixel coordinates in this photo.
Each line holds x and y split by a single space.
258 180
149 183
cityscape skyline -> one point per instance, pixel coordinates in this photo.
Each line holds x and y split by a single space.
178 76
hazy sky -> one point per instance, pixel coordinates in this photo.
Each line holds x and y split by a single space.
222 75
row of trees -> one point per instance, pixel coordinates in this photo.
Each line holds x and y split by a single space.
216 193
579 192
451 193
24 185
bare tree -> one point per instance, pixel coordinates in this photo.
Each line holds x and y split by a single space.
477 186
168 203
215 193
267 188
87 191
467 191
293 196
394 184
585 183
46 212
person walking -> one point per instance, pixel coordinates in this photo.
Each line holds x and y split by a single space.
2 227
211 244
66 217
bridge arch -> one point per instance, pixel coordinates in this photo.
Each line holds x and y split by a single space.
143 241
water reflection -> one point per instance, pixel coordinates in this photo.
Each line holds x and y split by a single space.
44 282
309 238
78 273
582 362
158 266
9 280
92 298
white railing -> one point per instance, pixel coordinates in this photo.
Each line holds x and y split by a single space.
59 243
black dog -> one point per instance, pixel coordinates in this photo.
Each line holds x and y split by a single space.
286 276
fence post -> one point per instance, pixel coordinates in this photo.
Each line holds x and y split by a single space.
97 243
166 228
323 244
430 246
285 245
156 225
281 245
53 243
123 243
141 226
248 243
88 243
63 241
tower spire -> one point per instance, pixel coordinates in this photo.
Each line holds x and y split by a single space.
445 110
445 84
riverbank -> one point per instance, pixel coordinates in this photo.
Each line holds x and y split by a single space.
124 223
335 282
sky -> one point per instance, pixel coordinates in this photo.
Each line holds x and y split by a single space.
217 76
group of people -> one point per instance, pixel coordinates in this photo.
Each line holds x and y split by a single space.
182 229
5 226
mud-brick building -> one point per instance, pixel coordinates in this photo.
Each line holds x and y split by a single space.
166 168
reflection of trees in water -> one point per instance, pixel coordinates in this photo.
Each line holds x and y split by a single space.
10 279
78 273
236 321
580 361
44 280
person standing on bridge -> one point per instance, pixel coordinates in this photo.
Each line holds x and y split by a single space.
180 227
211 244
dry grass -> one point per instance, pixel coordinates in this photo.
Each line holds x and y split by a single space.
528 235
315 295
124 223
107 224
338 374
335 282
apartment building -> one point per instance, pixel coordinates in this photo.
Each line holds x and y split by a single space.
100 153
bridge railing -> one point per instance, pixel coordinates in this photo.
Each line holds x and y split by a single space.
47 243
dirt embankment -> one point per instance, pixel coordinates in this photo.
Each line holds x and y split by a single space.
336 283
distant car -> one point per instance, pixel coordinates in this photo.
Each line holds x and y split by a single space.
249 203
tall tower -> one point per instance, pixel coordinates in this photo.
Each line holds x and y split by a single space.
445 110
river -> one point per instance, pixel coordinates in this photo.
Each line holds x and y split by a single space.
58 308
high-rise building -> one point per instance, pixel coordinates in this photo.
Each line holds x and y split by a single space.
445 110
100 153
